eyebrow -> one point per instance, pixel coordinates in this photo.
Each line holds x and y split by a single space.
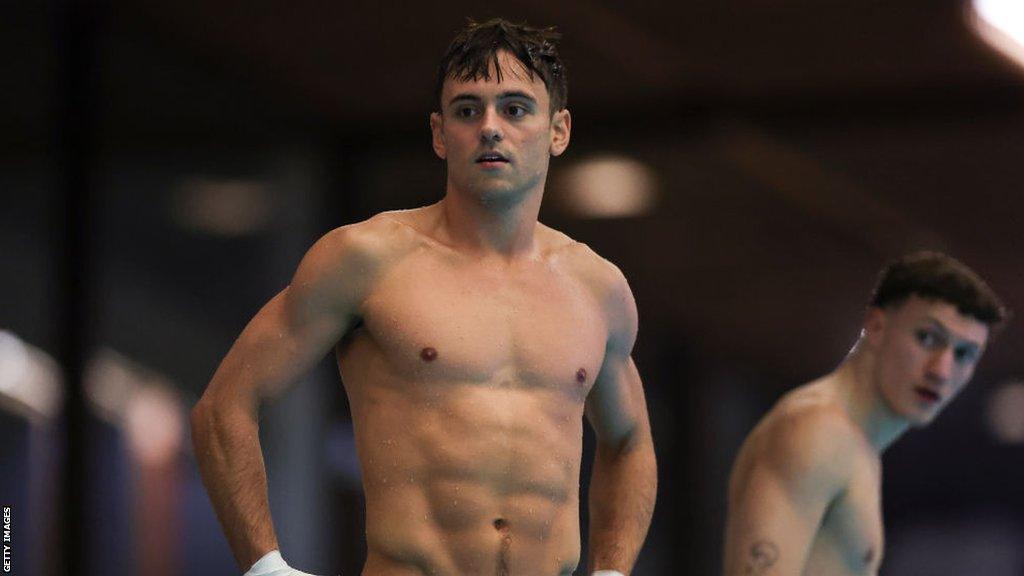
945 329
465 96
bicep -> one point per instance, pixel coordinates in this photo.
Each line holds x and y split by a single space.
616 406
772 523
295 329
274 350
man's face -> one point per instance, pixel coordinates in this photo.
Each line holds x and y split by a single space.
496 137
926 352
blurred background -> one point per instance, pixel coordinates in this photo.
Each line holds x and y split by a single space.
749 165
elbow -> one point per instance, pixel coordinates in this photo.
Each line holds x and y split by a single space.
634 453
216 415
632 440
205 417
200 419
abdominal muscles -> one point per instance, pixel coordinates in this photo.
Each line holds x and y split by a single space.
473 479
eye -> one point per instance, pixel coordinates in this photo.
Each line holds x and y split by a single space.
516 110
965 354
928 339
465 112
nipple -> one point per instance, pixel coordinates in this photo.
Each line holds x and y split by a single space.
428 354
581 375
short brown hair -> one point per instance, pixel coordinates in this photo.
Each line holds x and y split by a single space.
936 276
475 49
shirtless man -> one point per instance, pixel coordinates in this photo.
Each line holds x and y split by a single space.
471 340
805 491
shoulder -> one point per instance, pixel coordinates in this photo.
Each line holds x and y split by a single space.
378 236
600 277
344 263
809 439
364 245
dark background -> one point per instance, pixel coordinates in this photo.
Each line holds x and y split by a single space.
166 164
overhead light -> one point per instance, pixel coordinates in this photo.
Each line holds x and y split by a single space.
1006 412
608 187
30 382
145 405
223 207
154 424
1000 23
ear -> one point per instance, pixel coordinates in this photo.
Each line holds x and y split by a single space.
437 135
875 321
561 126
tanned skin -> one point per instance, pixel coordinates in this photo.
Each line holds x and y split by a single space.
805 491
472 340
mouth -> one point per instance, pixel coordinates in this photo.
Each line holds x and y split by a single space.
491 158
928 395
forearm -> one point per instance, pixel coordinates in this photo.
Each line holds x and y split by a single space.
623 488
227 449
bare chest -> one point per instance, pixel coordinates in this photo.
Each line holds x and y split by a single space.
537 327
852 534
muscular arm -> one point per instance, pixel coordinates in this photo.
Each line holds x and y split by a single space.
782 484
290 333
624 480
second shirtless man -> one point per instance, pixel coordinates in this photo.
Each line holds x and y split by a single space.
805 492
471 340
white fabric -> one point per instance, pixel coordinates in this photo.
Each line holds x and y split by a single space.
607 573
272 564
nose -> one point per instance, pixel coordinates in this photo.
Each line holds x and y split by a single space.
940 365
490 127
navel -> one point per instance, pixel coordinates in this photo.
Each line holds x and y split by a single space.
428 354
504 563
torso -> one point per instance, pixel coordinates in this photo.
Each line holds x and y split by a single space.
849 539
467 383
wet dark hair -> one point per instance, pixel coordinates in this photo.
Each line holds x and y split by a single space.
935 276
475 50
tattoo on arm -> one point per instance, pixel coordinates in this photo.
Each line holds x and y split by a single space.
763 555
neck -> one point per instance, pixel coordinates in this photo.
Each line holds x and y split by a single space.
503 228
867 408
